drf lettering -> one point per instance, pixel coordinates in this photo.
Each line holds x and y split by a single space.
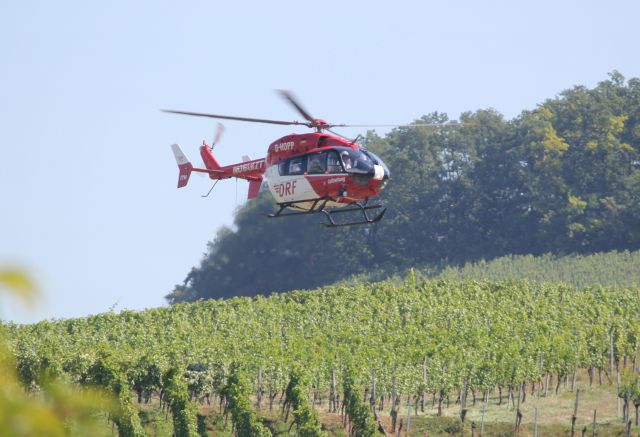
286 188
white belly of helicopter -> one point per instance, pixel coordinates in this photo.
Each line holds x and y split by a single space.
288 188
285 189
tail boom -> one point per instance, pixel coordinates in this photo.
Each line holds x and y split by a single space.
250 170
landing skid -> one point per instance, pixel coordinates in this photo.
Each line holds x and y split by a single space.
319 206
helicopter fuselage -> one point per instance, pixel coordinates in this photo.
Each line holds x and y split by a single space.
320 166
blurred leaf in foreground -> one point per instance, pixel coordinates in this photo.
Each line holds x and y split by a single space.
20 284
59 409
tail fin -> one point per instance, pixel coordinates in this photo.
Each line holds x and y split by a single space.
254 188
184 165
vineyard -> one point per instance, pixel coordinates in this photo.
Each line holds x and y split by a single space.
608 269
378 355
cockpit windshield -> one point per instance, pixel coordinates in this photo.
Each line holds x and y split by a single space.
354 161
377 160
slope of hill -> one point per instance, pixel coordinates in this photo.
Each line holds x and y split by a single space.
562 178
610 269
419 342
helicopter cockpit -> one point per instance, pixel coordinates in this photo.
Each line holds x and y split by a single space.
360 164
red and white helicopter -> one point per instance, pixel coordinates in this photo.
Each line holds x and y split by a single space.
306 173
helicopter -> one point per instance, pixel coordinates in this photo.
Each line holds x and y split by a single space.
318 172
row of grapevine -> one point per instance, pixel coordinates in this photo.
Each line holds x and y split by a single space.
305 419
360 423
236 396
183 411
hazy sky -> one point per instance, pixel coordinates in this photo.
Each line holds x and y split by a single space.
88 198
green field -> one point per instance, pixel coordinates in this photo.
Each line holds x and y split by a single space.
610 269
411 340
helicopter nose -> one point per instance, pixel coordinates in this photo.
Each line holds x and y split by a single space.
385 179
378 172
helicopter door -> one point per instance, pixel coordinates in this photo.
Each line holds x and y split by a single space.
333 163
317 163
287 181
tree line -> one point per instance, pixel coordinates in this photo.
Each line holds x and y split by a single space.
563 178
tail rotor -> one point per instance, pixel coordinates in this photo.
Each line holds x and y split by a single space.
216 138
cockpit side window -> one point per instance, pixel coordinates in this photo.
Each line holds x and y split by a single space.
317 163
333 163
346 159
295 166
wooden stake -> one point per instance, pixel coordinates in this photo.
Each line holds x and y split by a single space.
259 394
575 414
424 380
333 405
627 413
593 432
509 397
394 404
408 413
540 376
517 427
546 385
372 401
484 410
611 357
535 422
618 397
463 399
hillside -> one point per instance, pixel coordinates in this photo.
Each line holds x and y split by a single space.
611 269
562 178
416 341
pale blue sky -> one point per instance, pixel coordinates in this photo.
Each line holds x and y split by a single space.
88 203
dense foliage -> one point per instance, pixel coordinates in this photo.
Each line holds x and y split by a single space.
562 178
613 269
610 269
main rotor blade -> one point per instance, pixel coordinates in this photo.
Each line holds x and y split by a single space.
398 125
289 97
229 117
339 135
